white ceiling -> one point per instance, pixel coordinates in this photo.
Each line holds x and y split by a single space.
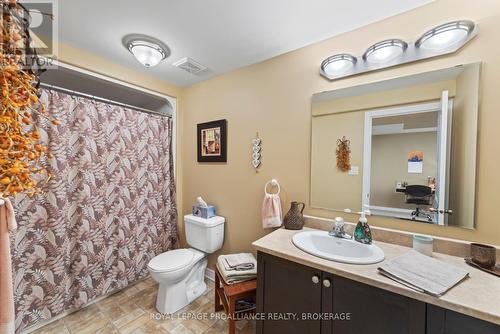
220 34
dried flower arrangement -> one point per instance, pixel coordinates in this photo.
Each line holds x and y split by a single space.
20 147
343 153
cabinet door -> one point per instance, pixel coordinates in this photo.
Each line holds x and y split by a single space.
375 311
286 289
442 321
326 303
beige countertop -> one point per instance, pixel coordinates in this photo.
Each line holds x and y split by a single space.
478 296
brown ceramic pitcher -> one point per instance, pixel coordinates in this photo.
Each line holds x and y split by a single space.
294 220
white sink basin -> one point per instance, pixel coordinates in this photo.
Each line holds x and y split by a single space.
320 244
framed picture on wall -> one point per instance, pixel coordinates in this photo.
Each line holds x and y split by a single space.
212 141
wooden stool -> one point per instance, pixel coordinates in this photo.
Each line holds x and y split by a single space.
228 294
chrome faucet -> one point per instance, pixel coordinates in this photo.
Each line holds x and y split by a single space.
338 230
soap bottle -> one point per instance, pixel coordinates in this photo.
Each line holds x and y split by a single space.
362 233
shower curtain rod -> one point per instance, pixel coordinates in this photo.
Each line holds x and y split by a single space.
97 98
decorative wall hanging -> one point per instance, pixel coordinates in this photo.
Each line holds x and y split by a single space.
256 152
415 162
22 155
343 154
212 141
444 39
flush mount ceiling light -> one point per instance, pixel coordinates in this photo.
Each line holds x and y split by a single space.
446 35
444 39
148 54
147 50
338 64
385 51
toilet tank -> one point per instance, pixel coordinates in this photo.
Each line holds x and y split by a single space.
203 234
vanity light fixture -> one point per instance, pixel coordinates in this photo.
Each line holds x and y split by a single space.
444 39
338 64
385 51
446 35
147 50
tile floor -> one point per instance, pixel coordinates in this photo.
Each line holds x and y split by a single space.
132 311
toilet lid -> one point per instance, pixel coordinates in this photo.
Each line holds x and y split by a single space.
171 260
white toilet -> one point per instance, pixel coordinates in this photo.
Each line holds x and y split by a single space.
181 272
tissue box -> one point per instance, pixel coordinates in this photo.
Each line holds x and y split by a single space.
203 212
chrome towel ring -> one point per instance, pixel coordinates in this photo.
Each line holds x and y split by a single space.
273 183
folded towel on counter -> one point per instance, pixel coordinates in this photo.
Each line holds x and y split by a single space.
235 276
271 211
239 262
423 273
7 225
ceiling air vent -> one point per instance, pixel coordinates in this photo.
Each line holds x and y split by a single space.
190 65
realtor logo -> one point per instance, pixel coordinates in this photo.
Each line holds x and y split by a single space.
40 18
43 26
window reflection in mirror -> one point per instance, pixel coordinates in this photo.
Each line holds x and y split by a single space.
413 147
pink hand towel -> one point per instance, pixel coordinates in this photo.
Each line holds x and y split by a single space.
7 223
271 211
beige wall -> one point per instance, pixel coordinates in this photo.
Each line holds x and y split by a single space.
390 164
273 97
330 187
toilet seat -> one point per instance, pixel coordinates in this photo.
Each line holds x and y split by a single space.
171 260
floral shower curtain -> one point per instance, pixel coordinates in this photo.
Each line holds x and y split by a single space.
108 209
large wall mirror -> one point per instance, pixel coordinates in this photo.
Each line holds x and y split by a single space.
402 148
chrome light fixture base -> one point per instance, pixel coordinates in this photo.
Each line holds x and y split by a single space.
403 52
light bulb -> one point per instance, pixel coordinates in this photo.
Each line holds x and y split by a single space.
147 52
445 36
146 55
338 64
385 51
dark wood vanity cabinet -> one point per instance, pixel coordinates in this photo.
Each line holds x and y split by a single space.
324 303
374 310
287 288
443 321
293 298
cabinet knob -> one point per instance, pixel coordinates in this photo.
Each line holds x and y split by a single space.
315 279
327 283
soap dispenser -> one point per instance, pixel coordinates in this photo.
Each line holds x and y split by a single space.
362 233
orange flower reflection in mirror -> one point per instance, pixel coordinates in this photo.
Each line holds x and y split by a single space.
343 153
21 151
